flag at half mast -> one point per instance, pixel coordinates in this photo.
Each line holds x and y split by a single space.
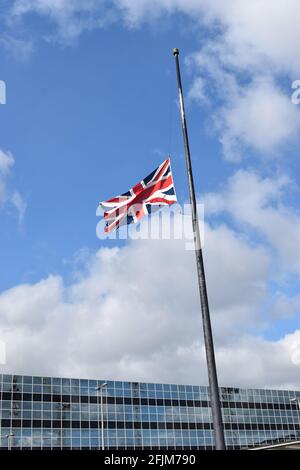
153 192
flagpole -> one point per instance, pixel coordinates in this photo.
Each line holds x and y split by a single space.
208 338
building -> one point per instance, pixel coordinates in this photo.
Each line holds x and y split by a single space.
51 413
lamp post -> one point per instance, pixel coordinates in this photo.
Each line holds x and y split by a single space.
9 438
100 388
297 402
64 407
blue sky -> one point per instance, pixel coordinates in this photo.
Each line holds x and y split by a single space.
85 123
92 109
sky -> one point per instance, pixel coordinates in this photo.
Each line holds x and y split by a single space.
91 109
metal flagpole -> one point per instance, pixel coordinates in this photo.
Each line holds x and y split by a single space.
208 338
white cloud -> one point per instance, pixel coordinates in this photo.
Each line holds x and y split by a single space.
197 91
252 34
7 195
261 117
2 352
253 114
29 305
285 306
135 315
71 17
20 205
258 203
250 47
258 35
271 363
19 48
6 162
251 44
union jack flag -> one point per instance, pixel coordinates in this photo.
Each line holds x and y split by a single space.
156 190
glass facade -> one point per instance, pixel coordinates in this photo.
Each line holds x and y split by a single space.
51 413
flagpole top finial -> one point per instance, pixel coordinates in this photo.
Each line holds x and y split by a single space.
175 51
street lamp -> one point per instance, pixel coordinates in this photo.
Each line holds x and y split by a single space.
297 401
100 388
9 437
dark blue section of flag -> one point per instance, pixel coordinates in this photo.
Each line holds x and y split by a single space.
149 177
